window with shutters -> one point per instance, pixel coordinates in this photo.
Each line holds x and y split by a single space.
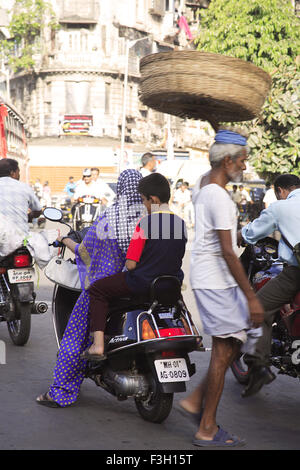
79 11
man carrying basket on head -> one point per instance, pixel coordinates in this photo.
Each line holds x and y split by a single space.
227 304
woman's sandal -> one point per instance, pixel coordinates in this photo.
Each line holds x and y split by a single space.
221 439
47 401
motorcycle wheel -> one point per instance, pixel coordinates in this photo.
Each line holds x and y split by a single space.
19 330
157 406
240 370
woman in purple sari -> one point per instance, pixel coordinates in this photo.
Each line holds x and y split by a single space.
101 254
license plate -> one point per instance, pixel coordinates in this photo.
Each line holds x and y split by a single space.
172 370
21 275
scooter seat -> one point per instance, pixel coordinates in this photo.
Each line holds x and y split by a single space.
126 303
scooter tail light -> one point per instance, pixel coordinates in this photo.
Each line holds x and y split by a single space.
2 270
21 261
169 332
147 331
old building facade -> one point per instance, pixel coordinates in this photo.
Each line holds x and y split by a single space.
76 90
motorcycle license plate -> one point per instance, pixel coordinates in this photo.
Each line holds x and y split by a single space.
88 200
172 370
21 275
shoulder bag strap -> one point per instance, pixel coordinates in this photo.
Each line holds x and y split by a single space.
286 242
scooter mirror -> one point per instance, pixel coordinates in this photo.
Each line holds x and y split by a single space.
51 213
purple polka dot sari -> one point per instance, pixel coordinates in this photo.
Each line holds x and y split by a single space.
102 253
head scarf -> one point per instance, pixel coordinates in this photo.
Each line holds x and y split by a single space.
229 137
123 215
103 251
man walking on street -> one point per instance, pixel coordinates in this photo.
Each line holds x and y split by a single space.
70 187
227 304
148 164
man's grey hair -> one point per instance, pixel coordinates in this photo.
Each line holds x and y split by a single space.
218 152
147 157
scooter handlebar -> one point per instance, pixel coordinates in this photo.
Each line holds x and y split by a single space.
56 244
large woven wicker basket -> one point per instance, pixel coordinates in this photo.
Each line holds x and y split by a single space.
203 85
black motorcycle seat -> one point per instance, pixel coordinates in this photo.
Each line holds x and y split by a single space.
126 303
164 290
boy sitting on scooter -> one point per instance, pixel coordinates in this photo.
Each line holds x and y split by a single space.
157 248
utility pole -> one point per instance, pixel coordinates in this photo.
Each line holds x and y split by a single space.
129 44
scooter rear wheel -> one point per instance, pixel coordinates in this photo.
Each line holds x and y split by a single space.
157 406
19 330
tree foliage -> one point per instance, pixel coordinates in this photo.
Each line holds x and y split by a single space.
275 135
27 25
267 34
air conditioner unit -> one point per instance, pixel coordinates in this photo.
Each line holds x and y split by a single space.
157 7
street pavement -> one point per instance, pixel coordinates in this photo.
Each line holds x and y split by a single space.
268 421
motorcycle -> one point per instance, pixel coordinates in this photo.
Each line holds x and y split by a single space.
17 296
85 211
262 264
147 341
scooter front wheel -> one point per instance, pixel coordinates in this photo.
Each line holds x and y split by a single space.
157 406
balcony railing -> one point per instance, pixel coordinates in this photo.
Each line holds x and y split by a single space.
93 60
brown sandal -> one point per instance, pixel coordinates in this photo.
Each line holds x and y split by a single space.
47 401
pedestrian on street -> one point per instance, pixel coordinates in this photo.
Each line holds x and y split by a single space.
148 164
47 194
183 203
270 195
236 195
70 187
226 302
284 216
243 205
38 189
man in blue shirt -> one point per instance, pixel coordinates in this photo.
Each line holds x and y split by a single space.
70 187
282 215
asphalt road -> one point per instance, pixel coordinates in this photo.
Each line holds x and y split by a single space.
268 421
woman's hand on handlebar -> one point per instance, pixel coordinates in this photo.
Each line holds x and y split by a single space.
68 242
57 243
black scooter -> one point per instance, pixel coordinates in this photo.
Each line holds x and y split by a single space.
148 341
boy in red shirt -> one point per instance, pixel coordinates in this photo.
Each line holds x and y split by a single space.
156 248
